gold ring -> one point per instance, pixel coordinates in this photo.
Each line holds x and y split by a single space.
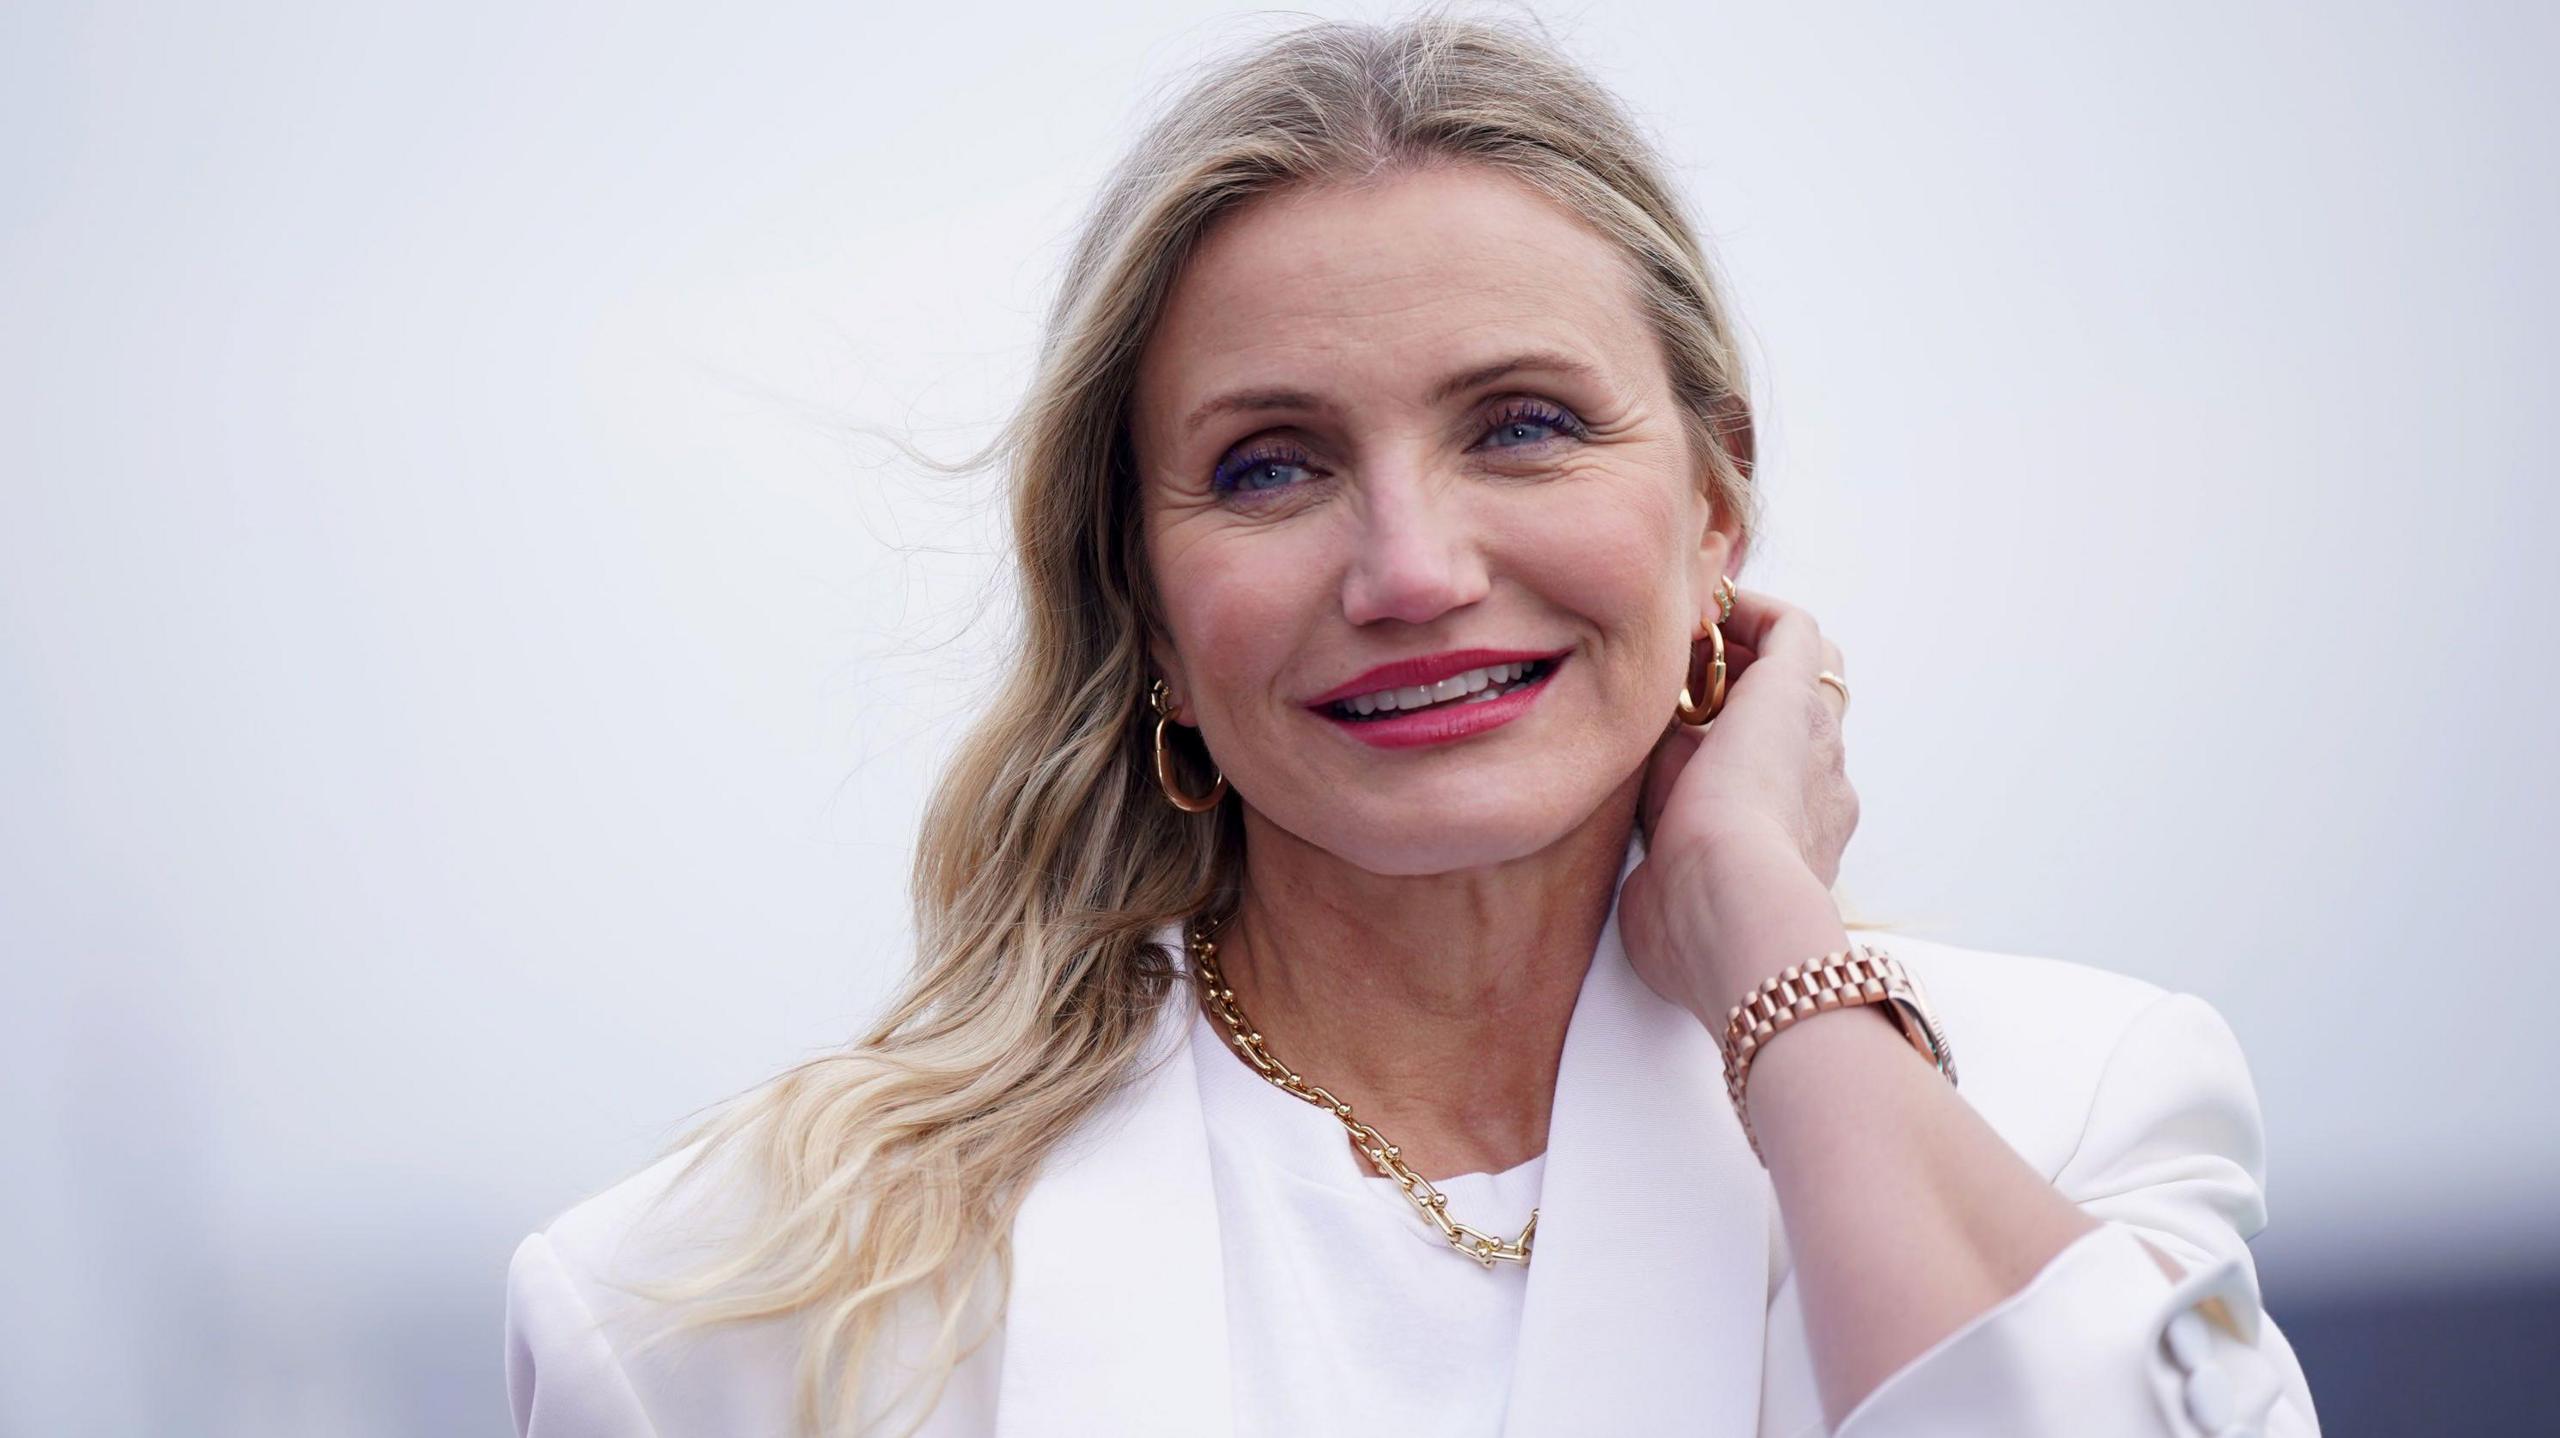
1836 682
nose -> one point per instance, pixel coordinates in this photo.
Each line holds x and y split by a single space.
1415 555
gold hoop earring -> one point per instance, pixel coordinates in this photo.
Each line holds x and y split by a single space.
1713 682
1724 598
1162 698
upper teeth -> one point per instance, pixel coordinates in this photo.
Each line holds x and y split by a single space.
1456 686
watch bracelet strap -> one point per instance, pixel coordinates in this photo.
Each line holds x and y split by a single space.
1846 978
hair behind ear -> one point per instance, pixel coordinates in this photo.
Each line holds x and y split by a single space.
1733 429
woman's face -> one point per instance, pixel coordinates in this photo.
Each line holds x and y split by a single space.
1388 427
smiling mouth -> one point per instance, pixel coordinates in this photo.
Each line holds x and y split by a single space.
1474 686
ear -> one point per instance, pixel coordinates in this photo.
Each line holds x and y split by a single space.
1721 541
1720 549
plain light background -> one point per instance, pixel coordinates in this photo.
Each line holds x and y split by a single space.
466 690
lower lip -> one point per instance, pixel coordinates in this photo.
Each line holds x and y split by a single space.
1444 723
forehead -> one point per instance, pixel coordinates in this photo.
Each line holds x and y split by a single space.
1384 289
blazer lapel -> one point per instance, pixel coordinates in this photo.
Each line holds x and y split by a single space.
1647 1297
1118 1303
1646 1303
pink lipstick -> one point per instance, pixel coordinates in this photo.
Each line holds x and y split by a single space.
1438 698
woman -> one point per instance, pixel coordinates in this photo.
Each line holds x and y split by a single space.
1379 971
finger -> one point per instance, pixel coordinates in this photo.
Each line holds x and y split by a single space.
1837 664
1769 628
1832 696
1739 649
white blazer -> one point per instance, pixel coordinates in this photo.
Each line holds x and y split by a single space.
1662 1299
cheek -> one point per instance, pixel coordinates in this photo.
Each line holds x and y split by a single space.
1617 567
1237 612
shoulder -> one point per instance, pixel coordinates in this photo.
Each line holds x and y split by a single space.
2031 1034
2080 1067
645 1224
595 1348
2137 1103
585 1355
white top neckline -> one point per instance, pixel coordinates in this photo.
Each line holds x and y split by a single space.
1348 1311
1312 1145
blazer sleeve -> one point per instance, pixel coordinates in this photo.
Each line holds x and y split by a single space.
563 1379
2101 1343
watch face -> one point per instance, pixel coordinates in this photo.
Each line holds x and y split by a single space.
1920 1023
1945 1053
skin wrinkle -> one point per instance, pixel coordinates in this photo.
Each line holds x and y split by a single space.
1484 867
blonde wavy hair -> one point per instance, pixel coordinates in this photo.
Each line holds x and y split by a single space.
890 1172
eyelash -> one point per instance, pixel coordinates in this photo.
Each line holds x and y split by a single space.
1224 479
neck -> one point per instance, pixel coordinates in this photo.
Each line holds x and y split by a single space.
1434 1004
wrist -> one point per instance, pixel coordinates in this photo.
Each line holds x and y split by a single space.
1861 977
1757 909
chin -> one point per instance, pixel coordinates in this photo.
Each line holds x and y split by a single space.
1403 840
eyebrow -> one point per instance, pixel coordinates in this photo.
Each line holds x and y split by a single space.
1553 361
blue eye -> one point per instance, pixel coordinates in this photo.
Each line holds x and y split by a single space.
1530 415
1253 470
1262 468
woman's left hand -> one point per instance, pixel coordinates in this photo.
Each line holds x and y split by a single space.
1744 820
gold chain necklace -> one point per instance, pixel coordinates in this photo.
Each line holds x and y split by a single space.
1484 1248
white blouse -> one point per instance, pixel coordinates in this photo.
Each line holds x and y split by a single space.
1381 1326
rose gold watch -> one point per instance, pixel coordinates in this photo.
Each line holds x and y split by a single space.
1859 974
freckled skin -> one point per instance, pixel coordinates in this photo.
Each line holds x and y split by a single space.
1419 526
